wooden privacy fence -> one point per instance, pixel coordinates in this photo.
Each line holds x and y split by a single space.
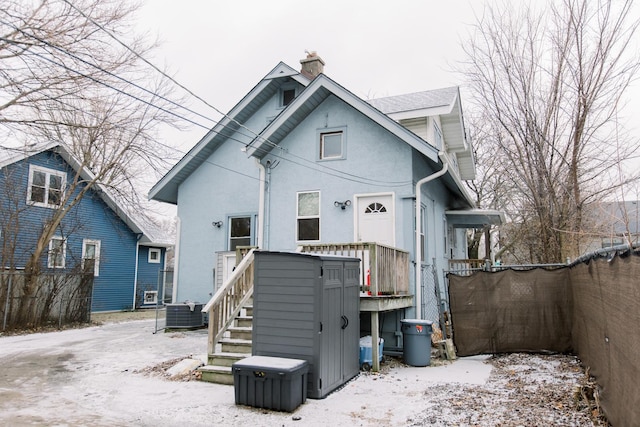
48 299
591 309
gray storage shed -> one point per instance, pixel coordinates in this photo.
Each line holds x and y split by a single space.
308 307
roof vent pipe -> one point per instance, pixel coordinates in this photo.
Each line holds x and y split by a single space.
445 167
312 65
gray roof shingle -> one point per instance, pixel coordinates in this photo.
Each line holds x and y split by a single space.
415 101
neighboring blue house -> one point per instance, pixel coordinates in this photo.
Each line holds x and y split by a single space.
301 160
127 259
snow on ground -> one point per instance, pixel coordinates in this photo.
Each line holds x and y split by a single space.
101 376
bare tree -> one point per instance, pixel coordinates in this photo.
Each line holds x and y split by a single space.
72 71
550 83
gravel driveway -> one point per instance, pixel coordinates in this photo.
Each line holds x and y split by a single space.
112 374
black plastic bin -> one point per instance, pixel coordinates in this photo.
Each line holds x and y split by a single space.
416 335
270 382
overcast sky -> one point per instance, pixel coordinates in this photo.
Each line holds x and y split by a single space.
221 49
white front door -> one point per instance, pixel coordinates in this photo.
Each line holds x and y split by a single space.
375 219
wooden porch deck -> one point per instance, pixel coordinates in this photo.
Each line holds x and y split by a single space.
384 286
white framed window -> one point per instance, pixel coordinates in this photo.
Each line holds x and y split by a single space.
91 256
154 256
57 252
239 231
46 187
331 146
150 297
308 216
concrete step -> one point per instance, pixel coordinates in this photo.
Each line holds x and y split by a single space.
225 359
235 345
240 333
217 374
244 321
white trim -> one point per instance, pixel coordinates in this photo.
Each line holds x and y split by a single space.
50 260
157 260
96 259
48 173
342 131
318 216
153 301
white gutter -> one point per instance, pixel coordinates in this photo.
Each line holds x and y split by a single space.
418 255
261 210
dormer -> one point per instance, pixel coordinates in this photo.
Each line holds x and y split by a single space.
436 117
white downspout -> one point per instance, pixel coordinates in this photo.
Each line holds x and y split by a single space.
445 167
176 262
135 277
261 210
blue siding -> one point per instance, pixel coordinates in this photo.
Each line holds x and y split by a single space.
91 219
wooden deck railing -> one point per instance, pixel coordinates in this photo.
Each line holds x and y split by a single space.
229 299
384 270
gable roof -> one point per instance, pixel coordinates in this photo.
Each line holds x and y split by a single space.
443 102
61 149
314 94
166 190
418 101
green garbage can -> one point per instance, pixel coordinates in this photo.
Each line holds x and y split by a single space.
416 335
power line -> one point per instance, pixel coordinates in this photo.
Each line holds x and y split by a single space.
334 172
251 131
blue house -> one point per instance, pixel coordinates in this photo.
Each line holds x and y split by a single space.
303 164
125 258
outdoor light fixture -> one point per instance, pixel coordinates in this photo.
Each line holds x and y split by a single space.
217 224
342 205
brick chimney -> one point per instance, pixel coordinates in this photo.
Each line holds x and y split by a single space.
312 65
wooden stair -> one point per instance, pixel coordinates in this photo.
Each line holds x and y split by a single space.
236 345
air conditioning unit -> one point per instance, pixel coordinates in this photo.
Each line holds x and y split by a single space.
184 315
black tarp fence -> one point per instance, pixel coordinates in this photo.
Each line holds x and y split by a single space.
590 309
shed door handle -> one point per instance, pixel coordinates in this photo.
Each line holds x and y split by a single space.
345 322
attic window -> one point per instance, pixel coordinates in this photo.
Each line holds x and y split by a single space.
45 187
331 146
288 95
